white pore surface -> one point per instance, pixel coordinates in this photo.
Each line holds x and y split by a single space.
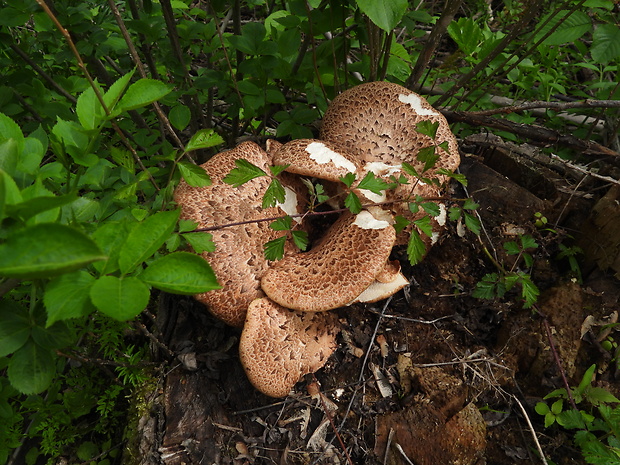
290 203
416 104
322 154
365 220
382 169
441 218
379 291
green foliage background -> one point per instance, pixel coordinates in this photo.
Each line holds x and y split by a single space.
95 133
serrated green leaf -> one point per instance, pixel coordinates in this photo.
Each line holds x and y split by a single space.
110 237
424 224
277 169
431 208
606 43
244 172
469 204
275 194
352 202
454 213
348 179
597 396
46 250
120 298
274 250
428 156
146 238
428 128
373 183
180 273
31 369
410 170
282 224
416 249
113 94
472 223
300 239
68 296
15 326
140 94
200 241
461 178
194 175
528 242
512 248
203 139
9 129
400 223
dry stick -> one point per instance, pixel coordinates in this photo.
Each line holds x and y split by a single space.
529 424
536 134
96 90
588 103
439 29
585 171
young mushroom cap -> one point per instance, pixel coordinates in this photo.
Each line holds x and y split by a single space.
378 120
238 260
278 346
334 272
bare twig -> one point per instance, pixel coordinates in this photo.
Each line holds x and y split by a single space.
584 170
529 424
561 106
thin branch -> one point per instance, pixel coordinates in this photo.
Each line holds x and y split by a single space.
585 171
588 103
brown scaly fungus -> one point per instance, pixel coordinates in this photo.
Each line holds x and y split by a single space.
371 127
278 346
238 260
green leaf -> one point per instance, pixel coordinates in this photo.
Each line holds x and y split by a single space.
428 128
31 369
300 239
587 379
113 94
489 287
203 139
9 129
541 408
140 94
424 224
68 296
410 170
110 237
46 250
31 207
9 155
385 14
528 242
274 194
431 208
180 116
606 43
244 172
54 337
472 223
282 224
194 175
469 204
428 156
89 110
274 250
467 35
348 179
416 249
277 169
373 183
181 273
14 326
597 396
569 26
458 176
200 241
512 248
120 298
352 202
146 238
401 223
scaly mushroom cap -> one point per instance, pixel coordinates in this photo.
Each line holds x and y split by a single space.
337 270
378 120
238 260
315 158
278 346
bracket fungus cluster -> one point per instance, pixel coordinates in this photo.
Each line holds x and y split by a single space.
283 306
